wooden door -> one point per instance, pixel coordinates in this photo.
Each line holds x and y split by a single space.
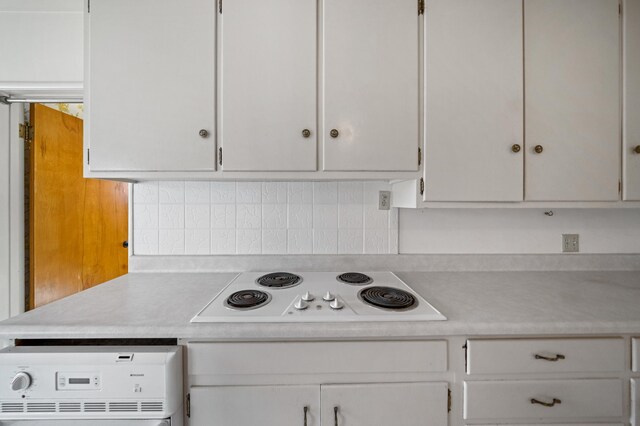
268 85
398 404
474 101
255 405
370 81
77 226
150 85
631 145
572 100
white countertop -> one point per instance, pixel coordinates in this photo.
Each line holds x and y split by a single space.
161 305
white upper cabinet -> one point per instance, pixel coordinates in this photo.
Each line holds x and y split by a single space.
151 80
268 75
631 146
370 85
572 100
474 100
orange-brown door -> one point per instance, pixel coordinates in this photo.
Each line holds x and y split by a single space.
77 226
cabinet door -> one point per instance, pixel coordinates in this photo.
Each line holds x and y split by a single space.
268 80
474 101
150 85
631 146
370 84
398 404
635 402
255 405
572 100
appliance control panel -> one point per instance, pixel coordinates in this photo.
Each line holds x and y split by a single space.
66 381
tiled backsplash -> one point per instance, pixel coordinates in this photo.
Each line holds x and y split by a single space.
209 218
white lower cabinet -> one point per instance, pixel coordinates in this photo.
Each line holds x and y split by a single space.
414 404
543 399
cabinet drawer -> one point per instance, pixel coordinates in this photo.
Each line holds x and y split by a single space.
317 357
521 400
509 356
635 344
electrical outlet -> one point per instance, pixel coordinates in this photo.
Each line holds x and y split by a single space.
384 200
570 243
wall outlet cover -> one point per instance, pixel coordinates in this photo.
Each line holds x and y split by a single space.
570 243
384 200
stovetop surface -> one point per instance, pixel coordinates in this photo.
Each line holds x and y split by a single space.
283 302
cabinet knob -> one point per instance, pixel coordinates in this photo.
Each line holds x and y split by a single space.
306 133
538 149
203 133
334 133
637 149
515 148
125 244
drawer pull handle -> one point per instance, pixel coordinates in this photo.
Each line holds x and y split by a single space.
558 357
546 404
306 410
335 416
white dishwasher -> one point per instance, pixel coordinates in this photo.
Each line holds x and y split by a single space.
91 386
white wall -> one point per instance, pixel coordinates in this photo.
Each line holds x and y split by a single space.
518 231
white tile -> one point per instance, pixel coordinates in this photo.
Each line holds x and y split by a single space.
248 216
171 192
274 216
274 192
393 241
325 193
376 241
145 192
300 193
223 216
350 216
274 241
372 189
374 218
197 192
223 192
248 241
350 192
171 216
223 241
300 216
325 241
171 241
350 241
145 216
197 241
325 216
145 241
196 216
300 241
248 192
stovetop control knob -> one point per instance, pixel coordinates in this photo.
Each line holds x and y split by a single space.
336 304
308 297
301 305
21 382
328 297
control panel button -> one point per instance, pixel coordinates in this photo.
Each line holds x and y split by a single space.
328 297
21 382
301 305
336 304
308 297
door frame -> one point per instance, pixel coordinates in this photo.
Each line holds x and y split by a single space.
12 231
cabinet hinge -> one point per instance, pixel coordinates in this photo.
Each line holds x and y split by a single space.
420 7
25 131
620 8
465 357
220 6
619 186
419 156
88 6
220 156
88 154
449 401
421 186
188 405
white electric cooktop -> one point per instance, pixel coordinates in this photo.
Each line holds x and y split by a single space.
317 297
